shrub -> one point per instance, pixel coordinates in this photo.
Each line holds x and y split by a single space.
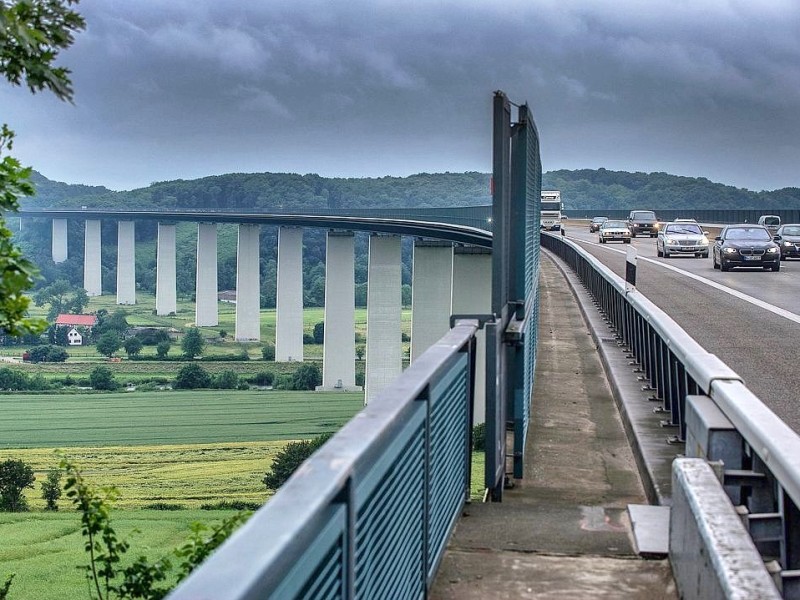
226 380
47 353
162 349
268 352
290 457
479 437
15 476
38 383
163 506
133 346
191 377
101 378
319 333
306 377
152 336
11 379
263 378
51 489
231 505
308 339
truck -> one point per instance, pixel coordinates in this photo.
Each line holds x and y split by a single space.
551 210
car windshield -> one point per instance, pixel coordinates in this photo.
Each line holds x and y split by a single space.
644 214
793 230
599 219
684 228
758 234
609 224
772 221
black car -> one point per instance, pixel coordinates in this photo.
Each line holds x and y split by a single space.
596 222
789 240
746 246
643 221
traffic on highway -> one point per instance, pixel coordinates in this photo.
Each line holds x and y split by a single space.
747 314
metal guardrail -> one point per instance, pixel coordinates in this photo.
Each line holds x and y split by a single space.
766 481
749 215
369 514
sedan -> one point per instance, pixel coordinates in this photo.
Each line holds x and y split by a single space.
614 231
788 238
746 246
682 237
596 222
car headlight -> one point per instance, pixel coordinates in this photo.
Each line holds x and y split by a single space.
730 250
772 250
671 242
704 241
788 244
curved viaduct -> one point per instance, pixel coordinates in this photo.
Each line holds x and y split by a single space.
452 274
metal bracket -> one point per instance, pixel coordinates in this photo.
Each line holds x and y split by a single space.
482 319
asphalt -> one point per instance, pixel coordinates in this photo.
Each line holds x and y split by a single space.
563 530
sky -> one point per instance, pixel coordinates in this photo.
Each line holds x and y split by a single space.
367 88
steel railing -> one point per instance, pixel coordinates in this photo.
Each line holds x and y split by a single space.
676 366
370 513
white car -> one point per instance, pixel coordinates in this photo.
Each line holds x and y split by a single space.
682 238
614 231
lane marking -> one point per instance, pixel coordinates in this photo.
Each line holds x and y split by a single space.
794 317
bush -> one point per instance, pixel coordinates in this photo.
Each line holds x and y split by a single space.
290 457
479 437
226 380
231 505
263 378
11 379
163 506
319 333
101 378
152 336
162 349
15 476
306 377
191 377
51 489
308 339
268 352
133 346
47 353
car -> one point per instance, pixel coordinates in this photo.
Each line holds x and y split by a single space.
746 246
643 221
594 225
771 222
685 221
614 231
682 237
788 238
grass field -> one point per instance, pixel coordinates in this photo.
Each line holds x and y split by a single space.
170 417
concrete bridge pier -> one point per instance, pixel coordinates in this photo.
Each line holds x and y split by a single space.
248 284
59 240
206 282
431 291
384 352
289 296
126 263
166 284
92 272
472 294
338 360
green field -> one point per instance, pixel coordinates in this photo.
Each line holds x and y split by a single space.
170 417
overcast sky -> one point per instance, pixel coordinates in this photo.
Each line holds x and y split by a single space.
365 88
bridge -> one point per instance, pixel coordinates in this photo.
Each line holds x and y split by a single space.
371 514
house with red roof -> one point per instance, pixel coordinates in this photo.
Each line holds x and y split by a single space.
74 337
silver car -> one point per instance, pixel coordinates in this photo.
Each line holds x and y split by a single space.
682 238
611 231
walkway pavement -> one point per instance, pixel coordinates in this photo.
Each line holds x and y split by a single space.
563 530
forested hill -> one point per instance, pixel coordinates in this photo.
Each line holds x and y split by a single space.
584 188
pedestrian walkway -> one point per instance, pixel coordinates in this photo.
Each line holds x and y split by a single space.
563 530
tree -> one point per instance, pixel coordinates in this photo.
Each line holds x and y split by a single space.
51 489
307 377
32 33
360 352
193 343
47 353
15 476
109 343
290 457
101 378
268 352
192 376
133 345
62 297
162 349
226 380
319 333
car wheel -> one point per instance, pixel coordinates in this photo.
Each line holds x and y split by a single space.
659 253
783 257
723 266
714 261
626 241
653 235
666 254
776 267
705 255
633 234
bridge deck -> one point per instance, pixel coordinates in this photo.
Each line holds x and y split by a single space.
563 531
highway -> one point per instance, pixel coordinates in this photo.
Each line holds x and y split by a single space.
750 318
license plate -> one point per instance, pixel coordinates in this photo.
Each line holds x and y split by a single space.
752 258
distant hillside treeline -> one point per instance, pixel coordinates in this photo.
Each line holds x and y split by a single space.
585 188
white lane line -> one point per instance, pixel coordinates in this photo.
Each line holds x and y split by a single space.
794 317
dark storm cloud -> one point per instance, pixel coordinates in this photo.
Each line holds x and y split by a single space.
185 89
